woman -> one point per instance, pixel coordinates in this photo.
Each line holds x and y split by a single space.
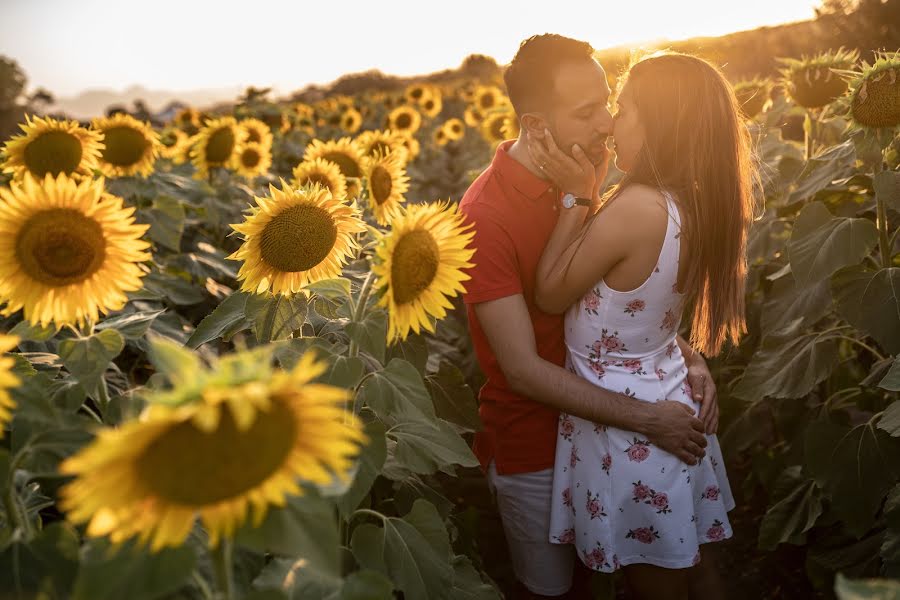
671 234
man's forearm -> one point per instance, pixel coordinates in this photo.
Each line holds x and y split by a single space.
550 384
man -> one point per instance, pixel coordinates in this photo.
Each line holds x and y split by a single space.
554 84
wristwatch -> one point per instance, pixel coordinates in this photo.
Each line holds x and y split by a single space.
570 200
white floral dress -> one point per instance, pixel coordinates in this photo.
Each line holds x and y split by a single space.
618 498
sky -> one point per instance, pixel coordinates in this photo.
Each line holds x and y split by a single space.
67 46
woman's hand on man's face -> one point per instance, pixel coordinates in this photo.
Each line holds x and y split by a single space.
573 174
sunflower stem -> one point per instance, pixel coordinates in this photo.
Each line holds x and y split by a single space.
221 555
884 240
11 503
360 311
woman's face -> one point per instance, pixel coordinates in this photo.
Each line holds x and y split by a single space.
628 132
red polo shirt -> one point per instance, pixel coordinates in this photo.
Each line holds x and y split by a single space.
513 212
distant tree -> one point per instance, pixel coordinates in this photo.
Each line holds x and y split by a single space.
479 66
12 83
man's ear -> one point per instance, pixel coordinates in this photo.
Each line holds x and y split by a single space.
534 125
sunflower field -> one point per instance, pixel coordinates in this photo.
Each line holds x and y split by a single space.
233 363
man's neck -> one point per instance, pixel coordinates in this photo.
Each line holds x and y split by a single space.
519 152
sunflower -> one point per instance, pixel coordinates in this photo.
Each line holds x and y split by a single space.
323 173
294 238
439 137
488 97
216 145
454 129
253 160
343 152
492 127
412 147
131 146
386 184
419 263
351 120
255 131
188 120
404 119
68 250
473 116
238 438
875 99
51 147
416 92
7 380
511 128
375 141
813 82
752 95
173 143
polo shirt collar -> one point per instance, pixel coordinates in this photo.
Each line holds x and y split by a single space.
515 175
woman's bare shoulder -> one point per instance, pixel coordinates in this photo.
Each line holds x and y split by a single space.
634 204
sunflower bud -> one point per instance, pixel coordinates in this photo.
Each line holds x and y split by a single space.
813 83
875 99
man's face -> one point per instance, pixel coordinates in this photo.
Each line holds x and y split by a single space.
580 112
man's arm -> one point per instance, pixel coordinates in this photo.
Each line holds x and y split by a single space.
667 424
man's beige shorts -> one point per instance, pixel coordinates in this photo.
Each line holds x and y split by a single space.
523 500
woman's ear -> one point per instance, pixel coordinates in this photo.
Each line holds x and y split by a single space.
534 125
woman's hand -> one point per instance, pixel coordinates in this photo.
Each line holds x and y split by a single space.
574 174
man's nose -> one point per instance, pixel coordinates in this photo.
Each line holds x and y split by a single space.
605 123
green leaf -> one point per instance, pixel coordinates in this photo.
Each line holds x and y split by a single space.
787 367
88 358
300 581
179 364
408 555
831 164
132 326
131 572
788 301
866 589
48 562
371 334
33 332
890 420
453 399
891 381
414 350
369 464
792 516
166 219
887 188
227 314
397 393
467 583
822 243
331 288
870 301
306 527
367 585
279 317
172 288
856 466
426 447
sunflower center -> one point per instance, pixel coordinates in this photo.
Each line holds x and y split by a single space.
348 166
298 238
188 466
382 184
124 146
60 246
220 145
486 101
53 152
404 121
414 264
253 136
250 158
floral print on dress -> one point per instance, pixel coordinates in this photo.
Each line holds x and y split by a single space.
607 463
573 457
645 535
566 537
716 532
591 301
567 499
611 342
670 321
710 493
642 492
593 506
660 374
634 366
566 426
596 558
638 451
634 307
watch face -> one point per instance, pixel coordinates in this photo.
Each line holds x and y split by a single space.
568 201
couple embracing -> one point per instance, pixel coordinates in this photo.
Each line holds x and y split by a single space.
599 440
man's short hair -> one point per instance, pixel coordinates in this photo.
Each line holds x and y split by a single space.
529 77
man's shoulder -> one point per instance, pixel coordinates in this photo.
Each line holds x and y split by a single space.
484 198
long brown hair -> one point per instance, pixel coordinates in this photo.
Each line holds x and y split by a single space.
697 147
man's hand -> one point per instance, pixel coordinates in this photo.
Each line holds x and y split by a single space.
704 391
673 427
